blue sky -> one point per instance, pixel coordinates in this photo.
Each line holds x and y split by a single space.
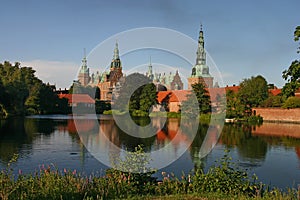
244 38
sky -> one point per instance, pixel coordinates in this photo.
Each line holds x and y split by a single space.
243 38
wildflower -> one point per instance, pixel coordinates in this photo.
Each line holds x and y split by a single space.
20 171
74 172
65 170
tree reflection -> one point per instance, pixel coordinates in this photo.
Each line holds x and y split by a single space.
240 136
19 133
196 146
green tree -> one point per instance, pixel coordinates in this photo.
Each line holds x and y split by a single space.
148 97
234 107
137 94
292 74
253 91
202 97
202 100
23 93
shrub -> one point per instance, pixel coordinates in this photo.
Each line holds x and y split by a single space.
225 178
139 113
292 102
107 112
273 101
173 115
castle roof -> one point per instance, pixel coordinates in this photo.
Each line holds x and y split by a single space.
77 98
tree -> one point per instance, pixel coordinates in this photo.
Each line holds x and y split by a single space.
292 74
137 94
202 100
253 91
21 92
234 107
148 97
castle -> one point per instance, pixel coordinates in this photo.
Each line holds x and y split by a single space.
109 80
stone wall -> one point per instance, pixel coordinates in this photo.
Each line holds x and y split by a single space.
279 114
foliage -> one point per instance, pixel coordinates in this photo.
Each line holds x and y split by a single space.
253 91
173 115
102 106
205 118
292 102
202 101
139 113
255 119
292 74
226 177
23 93
235 108
273 101
137 93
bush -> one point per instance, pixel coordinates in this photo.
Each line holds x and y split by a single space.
173 115
255 119
139 113
225 178
272 101
102 106
292 102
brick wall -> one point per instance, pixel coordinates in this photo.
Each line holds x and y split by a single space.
279 114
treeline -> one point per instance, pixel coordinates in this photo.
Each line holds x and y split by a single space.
22 93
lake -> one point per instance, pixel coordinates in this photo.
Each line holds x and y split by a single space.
271 151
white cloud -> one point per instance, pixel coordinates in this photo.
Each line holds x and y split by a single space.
60 73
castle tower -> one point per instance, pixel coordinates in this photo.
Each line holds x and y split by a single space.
115 67
84 73
200 71
149 74
110 79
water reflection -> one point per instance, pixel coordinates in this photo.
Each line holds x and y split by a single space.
249 146
262 147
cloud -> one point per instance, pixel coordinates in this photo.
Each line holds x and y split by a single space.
60 73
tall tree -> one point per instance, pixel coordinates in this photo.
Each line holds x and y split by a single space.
148 97
292 74
136 93
202 100
253 91
234 107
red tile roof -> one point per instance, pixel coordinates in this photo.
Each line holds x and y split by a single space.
161 95
77 98
233 88
179 95
275 92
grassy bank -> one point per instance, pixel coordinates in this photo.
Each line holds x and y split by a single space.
223 181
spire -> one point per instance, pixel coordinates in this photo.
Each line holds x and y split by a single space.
150 73
201 55
116 62
84 60
116 51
